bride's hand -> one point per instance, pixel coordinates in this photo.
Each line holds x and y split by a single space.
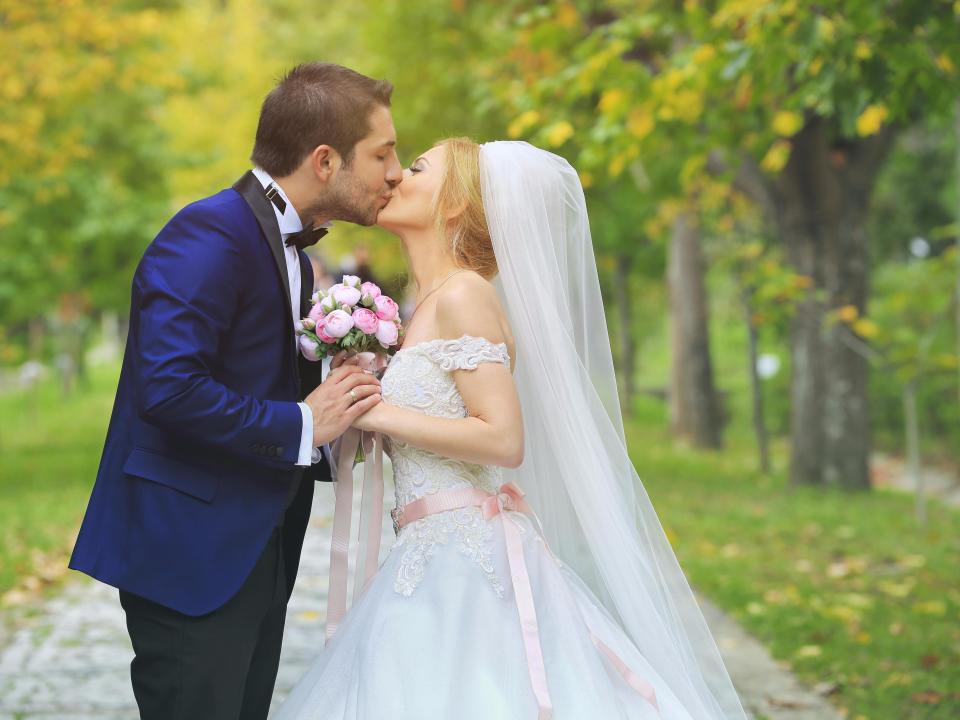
373 419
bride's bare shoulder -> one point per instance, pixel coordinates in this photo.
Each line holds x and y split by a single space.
468 304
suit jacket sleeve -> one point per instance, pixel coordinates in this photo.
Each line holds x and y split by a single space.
189 285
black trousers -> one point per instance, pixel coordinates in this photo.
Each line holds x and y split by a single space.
220 666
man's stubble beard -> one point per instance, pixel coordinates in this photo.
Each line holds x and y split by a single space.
344 202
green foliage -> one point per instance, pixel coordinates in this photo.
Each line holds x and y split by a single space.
49 450
83 170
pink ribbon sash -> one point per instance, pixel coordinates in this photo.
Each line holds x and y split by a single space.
371 512
510 498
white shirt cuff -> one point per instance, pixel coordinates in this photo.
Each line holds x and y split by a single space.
305 456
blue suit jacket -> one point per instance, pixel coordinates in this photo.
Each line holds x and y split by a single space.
198 467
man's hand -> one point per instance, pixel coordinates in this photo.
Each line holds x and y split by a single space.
332 405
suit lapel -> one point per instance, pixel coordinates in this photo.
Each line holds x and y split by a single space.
250 189
305 281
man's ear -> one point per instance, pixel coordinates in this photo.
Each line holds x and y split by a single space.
324 162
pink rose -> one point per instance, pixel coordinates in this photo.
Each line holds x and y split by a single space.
387 309
387 333
369 288
365 320
309 348
338 323
316 313
346 295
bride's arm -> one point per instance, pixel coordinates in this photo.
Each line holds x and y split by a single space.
493 431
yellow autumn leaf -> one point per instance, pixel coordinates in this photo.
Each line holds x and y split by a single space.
816 65
558 133
617 164
586 179
931 607
640 123
787 123
826 28
776 156
866 328
567 15
848 313
704 54
863 51
871 120
809 651
946 64
522 123
612 101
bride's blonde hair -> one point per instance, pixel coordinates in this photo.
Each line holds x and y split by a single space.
459 195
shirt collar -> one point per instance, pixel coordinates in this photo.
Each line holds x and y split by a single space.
288 220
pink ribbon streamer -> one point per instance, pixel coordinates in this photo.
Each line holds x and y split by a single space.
510 498
371 512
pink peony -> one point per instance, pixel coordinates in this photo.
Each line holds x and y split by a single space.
351 281
327 304
387 309
365 320
387 333
309 348
346 295
369 288
338 323
316 313
322 333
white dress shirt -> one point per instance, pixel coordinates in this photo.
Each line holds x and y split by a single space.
289 223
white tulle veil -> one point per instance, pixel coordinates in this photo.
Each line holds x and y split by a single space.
576 472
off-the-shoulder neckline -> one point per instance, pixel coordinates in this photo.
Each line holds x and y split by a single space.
453 340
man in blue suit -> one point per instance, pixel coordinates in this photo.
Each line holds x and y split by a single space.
220 427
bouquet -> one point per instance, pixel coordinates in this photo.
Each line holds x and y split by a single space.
353 316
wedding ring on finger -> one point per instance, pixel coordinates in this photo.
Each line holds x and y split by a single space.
353 395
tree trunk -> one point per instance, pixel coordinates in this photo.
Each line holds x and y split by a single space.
627 342
756 387
912 427
956 308
823 195
694 406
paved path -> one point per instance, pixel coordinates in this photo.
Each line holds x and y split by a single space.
69 660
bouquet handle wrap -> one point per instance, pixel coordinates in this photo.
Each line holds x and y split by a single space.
371 511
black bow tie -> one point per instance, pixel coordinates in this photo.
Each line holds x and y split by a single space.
306 237
302 238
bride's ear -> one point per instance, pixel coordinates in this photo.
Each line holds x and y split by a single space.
456 211
324 162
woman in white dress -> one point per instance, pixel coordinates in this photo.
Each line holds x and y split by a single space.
503 388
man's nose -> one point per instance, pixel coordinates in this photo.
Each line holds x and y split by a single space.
394 174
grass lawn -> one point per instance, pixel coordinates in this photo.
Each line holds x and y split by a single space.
49 450
844 588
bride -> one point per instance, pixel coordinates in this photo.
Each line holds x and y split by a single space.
502 414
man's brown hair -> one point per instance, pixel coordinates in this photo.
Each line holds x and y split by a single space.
315 104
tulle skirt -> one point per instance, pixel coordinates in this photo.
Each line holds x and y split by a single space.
453 650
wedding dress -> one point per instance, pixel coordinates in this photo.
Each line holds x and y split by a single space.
566 601
436 634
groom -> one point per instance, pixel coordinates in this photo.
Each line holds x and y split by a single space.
204 488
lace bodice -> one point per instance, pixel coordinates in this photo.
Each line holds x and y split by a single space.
419 378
